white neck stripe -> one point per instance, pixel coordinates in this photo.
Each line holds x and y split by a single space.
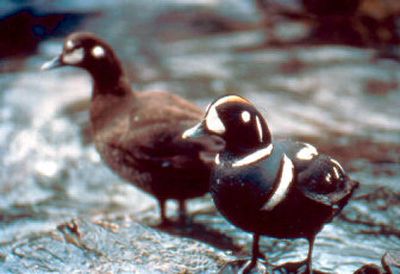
285 180
254 157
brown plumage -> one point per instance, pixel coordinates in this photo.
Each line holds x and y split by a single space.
139 134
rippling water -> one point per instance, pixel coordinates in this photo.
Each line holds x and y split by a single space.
340 98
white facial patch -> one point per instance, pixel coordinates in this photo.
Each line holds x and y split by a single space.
98 52
74 57
69 45
307 152
245 116
285 180
213 122
254 157
259 129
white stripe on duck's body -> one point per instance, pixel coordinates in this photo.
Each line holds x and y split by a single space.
281 195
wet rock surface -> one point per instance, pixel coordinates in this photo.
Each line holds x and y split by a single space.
118 246
342 99
391 261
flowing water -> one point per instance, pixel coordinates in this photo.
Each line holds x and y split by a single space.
344 100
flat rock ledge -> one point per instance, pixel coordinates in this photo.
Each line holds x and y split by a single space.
82 246
125 246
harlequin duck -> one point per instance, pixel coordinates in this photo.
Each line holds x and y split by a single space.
139 134
280 189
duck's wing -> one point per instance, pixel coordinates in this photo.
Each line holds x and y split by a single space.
154 138
166 149
324 180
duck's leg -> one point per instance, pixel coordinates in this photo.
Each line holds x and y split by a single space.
311 241
182 211
255 253
163 215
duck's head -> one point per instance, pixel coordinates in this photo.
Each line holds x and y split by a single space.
237 122
86 50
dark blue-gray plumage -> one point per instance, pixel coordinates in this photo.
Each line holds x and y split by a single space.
280 189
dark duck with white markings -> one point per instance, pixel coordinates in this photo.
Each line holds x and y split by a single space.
139 134
280 189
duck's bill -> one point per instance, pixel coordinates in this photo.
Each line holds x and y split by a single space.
54 63
195 132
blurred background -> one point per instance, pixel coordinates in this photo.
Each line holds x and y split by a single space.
322 71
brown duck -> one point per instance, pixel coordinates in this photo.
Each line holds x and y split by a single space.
139 134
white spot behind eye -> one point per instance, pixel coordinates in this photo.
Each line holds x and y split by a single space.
285 180
213 122
259 128
74 57
98 52
307 152
245 116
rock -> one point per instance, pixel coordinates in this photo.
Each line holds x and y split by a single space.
238 266
391 262
48 175
117 246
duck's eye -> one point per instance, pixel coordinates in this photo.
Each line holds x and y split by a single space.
74 56
98 52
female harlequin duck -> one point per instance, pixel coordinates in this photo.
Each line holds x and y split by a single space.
139 134
280 189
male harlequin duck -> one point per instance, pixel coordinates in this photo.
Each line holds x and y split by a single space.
280 189
139 135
